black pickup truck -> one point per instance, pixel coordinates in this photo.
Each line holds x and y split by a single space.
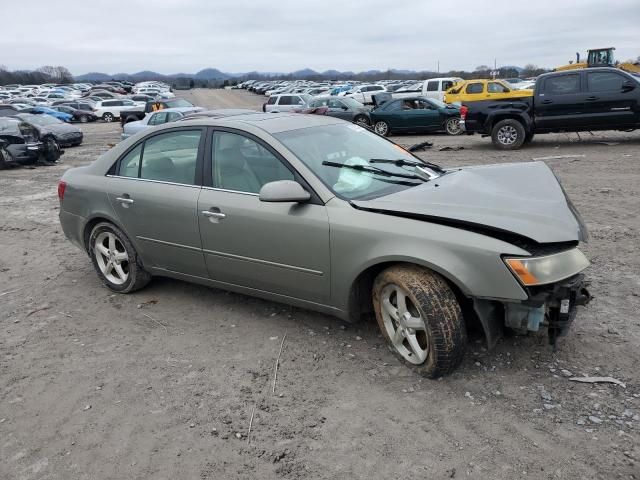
588 99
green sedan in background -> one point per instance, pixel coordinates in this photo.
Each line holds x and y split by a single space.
416 114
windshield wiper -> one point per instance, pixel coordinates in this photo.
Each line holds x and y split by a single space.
401 162
380 171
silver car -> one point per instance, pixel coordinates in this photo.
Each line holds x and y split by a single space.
320 213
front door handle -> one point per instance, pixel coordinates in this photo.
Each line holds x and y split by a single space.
214 215
547 101
591 99
210 214
125 201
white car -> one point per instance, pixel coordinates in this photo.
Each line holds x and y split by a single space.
154 118
432 88
110 109
363 93
286 102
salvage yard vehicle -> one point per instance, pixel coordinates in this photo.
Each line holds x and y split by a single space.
109 110
432 88
133 114
565 101
62 116
344 108
19 143
154 119
415 114
363 93
320 213
286 102
54 133
477 90
82 116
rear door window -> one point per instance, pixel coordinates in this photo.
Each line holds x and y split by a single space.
474 88
562 84
286 100
432 86
171 157
496 87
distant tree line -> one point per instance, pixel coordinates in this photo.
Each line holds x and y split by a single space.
46 74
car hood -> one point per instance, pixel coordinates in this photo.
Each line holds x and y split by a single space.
525 199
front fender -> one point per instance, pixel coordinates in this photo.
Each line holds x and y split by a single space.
360 240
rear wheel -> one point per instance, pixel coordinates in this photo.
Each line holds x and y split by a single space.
84 119
52 152
382 128
452 126
508 134
108 117
420 318
5 158
116 260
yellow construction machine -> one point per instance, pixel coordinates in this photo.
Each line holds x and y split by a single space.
600 57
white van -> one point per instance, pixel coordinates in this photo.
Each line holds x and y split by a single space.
432 88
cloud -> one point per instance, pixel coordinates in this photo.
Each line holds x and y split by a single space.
173 36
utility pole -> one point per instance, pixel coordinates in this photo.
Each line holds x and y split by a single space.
438 66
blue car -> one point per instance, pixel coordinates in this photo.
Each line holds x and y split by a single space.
65 117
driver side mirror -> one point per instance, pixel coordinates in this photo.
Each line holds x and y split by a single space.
283 191
627 86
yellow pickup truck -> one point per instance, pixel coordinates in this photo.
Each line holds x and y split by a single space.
475 90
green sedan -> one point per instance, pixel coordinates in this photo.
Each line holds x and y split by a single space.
319 213
416 114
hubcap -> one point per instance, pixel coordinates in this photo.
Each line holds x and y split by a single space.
404 325
112 258
381 128
453 126
507 135
362 121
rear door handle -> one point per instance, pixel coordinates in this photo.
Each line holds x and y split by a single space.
547 101
591 99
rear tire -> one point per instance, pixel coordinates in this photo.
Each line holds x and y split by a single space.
116 260
362 120
108 117
52 151
508 134
420 318
5 158
84 119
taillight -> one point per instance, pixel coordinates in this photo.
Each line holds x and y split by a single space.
463 112
62 186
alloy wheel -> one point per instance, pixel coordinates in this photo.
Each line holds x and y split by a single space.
112 258
404 324
453 126
381 128
507 135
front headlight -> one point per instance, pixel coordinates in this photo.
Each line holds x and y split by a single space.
532 271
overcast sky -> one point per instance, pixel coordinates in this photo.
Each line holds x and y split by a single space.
171 36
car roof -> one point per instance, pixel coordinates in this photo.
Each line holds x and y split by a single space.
270 122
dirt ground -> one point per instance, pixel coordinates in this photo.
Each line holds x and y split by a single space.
163 383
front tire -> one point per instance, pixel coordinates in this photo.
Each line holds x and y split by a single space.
382 128
452 126
116 260
508 134
362 120
420 318
108 117
52 151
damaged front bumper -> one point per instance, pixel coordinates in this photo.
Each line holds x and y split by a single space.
553 306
